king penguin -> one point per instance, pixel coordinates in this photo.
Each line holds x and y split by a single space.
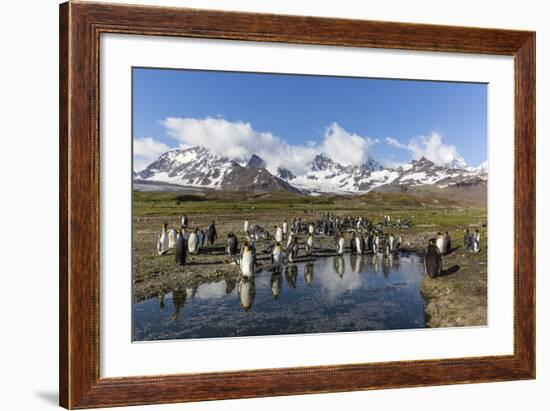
432 260
163 241
277 256
309 244
247 261
181 249
341 245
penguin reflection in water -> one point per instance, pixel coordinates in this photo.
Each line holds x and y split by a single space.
291 275
308 273
181 248
178 299
339 265
432 260
276 283
163 240
247 292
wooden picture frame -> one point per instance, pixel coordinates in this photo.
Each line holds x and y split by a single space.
80 27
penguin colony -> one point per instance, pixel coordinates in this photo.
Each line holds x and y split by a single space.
365 237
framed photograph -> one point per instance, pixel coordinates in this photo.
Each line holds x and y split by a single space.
259 205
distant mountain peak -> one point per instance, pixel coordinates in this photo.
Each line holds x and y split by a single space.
285 174
256 162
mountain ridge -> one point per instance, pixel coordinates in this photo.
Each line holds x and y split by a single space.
198 167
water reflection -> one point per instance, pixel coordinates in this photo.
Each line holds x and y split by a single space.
178 299
291 275
308 273
247 292
310 298
276 284
339 265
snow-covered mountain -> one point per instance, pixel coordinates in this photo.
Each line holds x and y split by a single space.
198 167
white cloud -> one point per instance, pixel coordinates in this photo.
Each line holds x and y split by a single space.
432 147
238 140
346 148
147 150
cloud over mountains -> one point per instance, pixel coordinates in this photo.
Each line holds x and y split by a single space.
238 140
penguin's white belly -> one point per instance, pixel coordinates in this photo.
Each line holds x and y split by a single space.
247 261
163 243
277 259
279 235
358 245
172 238
440 244
193 241
310 242
341 244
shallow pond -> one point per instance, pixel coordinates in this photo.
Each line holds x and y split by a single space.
331 294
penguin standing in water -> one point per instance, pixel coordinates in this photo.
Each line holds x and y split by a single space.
446 242
172 238
309 244
181 249
375 242
232 245
432 260
247 292
292 250
341 245
184 221
193 243
211 233
163 241
440 243
277 256
247 261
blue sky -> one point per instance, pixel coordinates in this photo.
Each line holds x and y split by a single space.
398 119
